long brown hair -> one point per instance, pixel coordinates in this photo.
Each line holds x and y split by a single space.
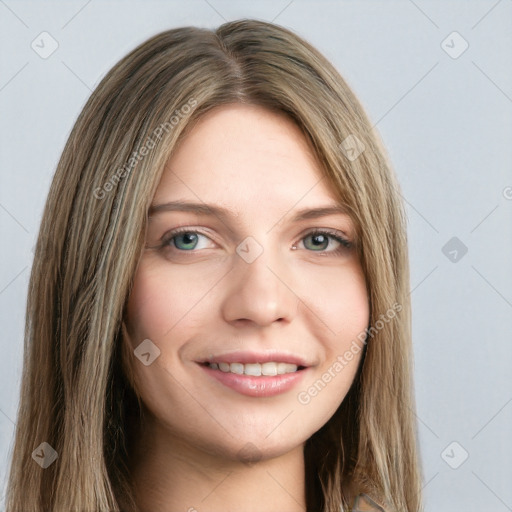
77 394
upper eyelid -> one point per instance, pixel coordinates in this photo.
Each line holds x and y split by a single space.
184 229
235 229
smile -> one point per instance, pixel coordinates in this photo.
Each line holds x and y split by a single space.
257 374
269 369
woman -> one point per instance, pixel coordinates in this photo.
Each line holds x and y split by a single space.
218 314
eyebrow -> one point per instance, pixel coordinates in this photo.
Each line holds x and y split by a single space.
210 209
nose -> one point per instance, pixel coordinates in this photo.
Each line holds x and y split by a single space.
259 293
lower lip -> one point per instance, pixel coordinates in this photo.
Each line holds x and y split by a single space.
256 386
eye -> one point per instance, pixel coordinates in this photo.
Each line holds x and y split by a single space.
185 239
319 240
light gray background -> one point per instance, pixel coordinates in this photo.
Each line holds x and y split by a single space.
447 123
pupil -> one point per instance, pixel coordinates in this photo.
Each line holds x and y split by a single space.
319 240
188 238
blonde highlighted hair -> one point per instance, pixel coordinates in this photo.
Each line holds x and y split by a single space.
77 394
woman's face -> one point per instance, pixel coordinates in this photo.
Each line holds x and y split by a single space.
245 287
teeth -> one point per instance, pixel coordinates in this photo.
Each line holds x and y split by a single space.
269 368
255 369
236 368
284 368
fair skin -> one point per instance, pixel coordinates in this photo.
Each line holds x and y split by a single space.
207 444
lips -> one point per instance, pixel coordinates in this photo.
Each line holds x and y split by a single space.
256 374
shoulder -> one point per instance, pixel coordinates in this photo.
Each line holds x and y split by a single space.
363 503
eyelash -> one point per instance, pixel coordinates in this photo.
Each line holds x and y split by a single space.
345 244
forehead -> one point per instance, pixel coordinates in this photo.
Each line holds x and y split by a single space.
245 156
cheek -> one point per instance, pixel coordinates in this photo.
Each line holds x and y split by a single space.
148 313
162 300
339 317
349 310
339 300
349 314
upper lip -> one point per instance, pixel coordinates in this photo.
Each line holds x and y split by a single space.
255 357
